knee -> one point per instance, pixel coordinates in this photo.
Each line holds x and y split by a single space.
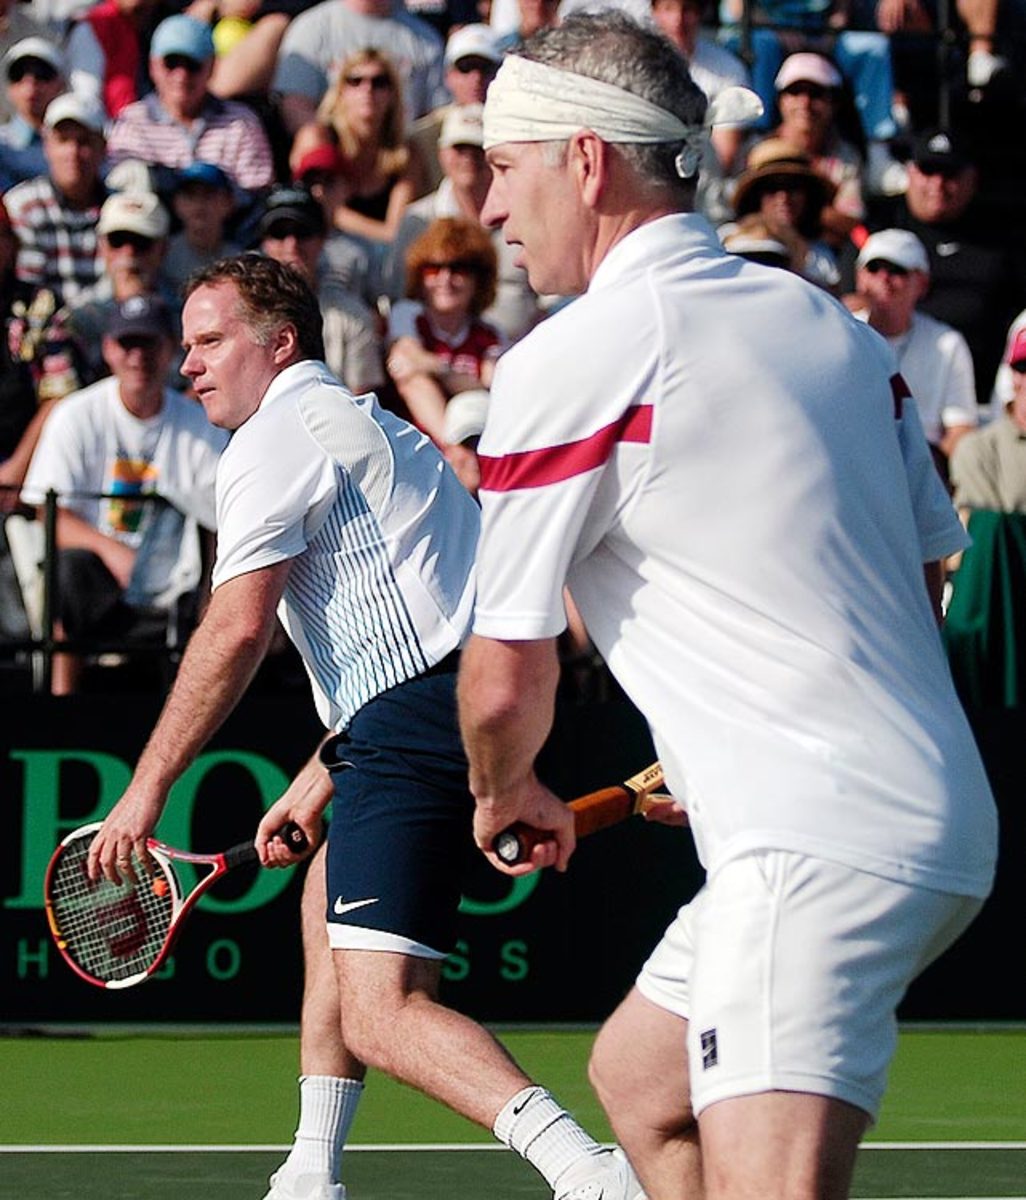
375 1024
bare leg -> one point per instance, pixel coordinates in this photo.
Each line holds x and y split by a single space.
395 1023
322 1050
331 1077
639 1070
793 1146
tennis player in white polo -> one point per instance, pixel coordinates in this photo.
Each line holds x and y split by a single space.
729 474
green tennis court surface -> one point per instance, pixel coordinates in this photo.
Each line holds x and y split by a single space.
156 1117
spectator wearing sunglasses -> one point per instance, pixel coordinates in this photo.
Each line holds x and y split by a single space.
17 22
105 52
327 34
363 114
34 71
893 275
133 241
977 275
438 343
182 122
809 92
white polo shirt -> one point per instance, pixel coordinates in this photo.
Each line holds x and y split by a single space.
717 458
381 532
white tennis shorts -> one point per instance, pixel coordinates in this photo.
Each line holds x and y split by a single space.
789 970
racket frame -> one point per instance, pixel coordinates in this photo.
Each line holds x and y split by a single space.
181 905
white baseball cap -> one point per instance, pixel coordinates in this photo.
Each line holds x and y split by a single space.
134 212
806 67
463 126
73 106
472 41
897 246
34 47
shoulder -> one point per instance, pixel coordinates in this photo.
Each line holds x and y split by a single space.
84 406
135 113
23 195
418 28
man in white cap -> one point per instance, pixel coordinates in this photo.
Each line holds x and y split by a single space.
892 274
132 233
472 57
54 215
34 72
720 465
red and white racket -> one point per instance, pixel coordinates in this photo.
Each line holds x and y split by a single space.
115 936
596 810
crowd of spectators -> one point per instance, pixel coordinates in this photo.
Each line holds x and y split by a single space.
139 142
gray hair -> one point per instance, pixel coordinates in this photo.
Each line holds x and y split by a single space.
613 48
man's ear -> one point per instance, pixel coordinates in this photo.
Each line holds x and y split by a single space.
286 344
588 155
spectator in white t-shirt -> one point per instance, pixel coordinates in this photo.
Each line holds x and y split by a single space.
892 275
102 450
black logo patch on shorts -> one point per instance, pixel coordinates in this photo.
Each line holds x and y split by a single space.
710 1057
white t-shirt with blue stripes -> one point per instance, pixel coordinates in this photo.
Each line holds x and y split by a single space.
382 534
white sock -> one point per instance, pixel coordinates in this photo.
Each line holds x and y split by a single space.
538 1129
327 1106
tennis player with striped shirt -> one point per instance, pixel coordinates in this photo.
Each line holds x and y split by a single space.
347 523
728 473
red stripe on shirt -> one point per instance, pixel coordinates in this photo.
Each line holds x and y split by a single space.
553 464
901 392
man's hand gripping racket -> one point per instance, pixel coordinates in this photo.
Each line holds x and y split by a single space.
642 793
116 935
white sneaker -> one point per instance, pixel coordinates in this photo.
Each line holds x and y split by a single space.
612 1179
982 66
304 1187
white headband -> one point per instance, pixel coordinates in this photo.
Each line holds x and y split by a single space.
531 102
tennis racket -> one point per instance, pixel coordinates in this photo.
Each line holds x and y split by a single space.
117 936
596 810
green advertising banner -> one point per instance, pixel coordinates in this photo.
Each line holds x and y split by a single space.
545 947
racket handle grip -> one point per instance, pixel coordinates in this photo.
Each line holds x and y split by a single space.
246 852
597 810
514 844
293 837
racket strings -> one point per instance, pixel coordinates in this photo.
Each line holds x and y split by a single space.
111 932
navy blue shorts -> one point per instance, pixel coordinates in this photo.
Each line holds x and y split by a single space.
401 826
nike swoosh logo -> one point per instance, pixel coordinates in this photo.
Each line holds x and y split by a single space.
946 249
341 907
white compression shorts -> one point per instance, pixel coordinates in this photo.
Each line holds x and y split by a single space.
789 970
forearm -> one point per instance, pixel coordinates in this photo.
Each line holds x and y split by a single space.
506 698
426 401
220 661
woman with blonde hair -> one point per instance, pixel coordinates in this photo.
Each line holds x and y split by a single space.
362 112
439 346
